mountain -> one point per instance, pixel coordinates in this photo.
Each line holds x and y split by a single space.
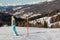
44 8
33 10
9 9
48 10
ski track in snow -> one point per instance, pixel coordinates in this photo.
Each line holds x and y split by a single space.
34 33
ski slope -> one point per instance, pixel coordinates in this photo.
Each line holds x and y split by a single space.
34 33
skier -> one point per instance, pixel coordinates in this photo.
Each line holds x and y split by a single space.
14 26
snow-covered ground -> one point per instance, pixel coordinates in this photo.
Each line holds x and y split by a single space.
34 33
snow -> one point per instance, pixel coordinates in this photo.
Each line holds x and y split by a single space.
48 22
49 0
17 8
34 33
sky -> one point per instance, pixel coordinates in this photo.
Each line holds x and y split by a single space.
5 2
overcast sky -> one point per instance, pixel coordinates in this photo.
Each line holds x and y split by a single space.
18 1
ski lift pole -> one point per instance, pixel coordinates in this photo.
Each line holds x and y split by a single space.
14 26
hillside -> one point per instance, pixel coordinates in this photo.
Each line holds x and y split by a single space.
49 11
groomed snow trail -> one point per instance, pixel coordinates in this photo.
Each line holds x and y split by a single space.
34 33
